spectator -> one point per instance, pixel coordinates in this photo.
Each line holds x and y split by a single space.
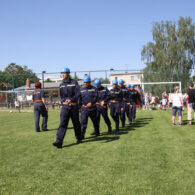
17 105
177 104
164 100
191 102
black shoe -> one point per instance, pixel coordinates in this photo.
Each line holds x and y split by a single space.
93 133
44 129
57 144
82 136
109 129
38 131
78 141
97 134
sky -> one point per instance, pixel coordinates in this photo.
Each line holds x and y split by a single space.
82 34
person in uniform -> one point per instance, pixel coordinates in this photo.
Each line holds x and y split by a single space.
88 99
69 94
124 108
40 107
101 104
116 98
129 105
134 96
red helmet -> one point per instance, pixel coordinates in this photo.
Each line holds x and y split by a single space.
38 85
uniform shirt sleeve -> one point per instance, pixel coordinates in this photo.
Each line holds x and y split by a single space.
107 95
60 92
139 97
121 95
95 98
77 93
42 94
80 99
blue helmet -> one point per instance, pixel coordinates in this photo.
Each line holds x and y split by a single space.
86 79
121 81
132 85
128 85
97 82
65 69
115 82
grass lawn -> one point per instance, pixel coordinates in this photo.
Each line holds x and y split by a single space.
150 157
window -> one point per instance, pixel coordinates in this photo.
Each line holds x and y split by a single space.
134 78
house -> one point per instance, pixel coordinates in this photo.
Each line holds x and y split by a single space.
129 78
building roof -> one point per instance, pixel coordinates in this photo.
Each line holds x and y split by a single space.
6 85
128 73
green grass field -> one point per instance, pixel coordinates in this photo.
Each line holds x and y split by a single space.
150 157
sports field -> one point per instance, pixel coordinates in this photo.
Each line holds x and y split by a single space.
150 157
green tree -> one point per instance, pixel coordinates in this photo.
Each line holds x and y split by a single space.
103 81
171 55
48 80
17 75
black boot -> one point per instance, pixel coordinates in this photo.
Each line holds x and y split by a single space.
109 129
78 141
97 132
117 128
57 144
93 133
83 133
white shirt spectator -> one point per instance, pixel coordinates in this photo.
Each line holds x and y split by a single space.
177 99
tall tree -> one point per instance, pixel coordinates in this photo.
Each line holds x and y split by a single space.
171 55
17 75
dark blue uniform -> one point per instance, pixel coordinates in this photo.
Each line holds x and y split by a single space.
88 95
115 105
69 90
125 94
39 109
130 104
134 96
103 95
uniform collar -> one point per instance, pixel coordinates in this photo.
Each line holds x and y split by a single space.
89 87
67 81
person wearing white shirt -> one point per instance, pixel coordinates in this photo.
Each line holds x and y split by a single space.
17 104
177 104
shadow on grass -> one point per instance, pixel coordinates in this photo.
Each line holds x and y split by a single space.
56 129
106 139
115 135
50 130
101 138
185 122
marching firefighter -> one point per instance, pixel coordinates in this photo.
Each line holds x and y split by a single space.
115 103
134 96
40 107
69 93
124 108
88 99
101 104
129 105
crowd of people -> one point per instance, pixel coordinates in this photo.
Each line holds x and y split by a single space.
92 101
176 101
